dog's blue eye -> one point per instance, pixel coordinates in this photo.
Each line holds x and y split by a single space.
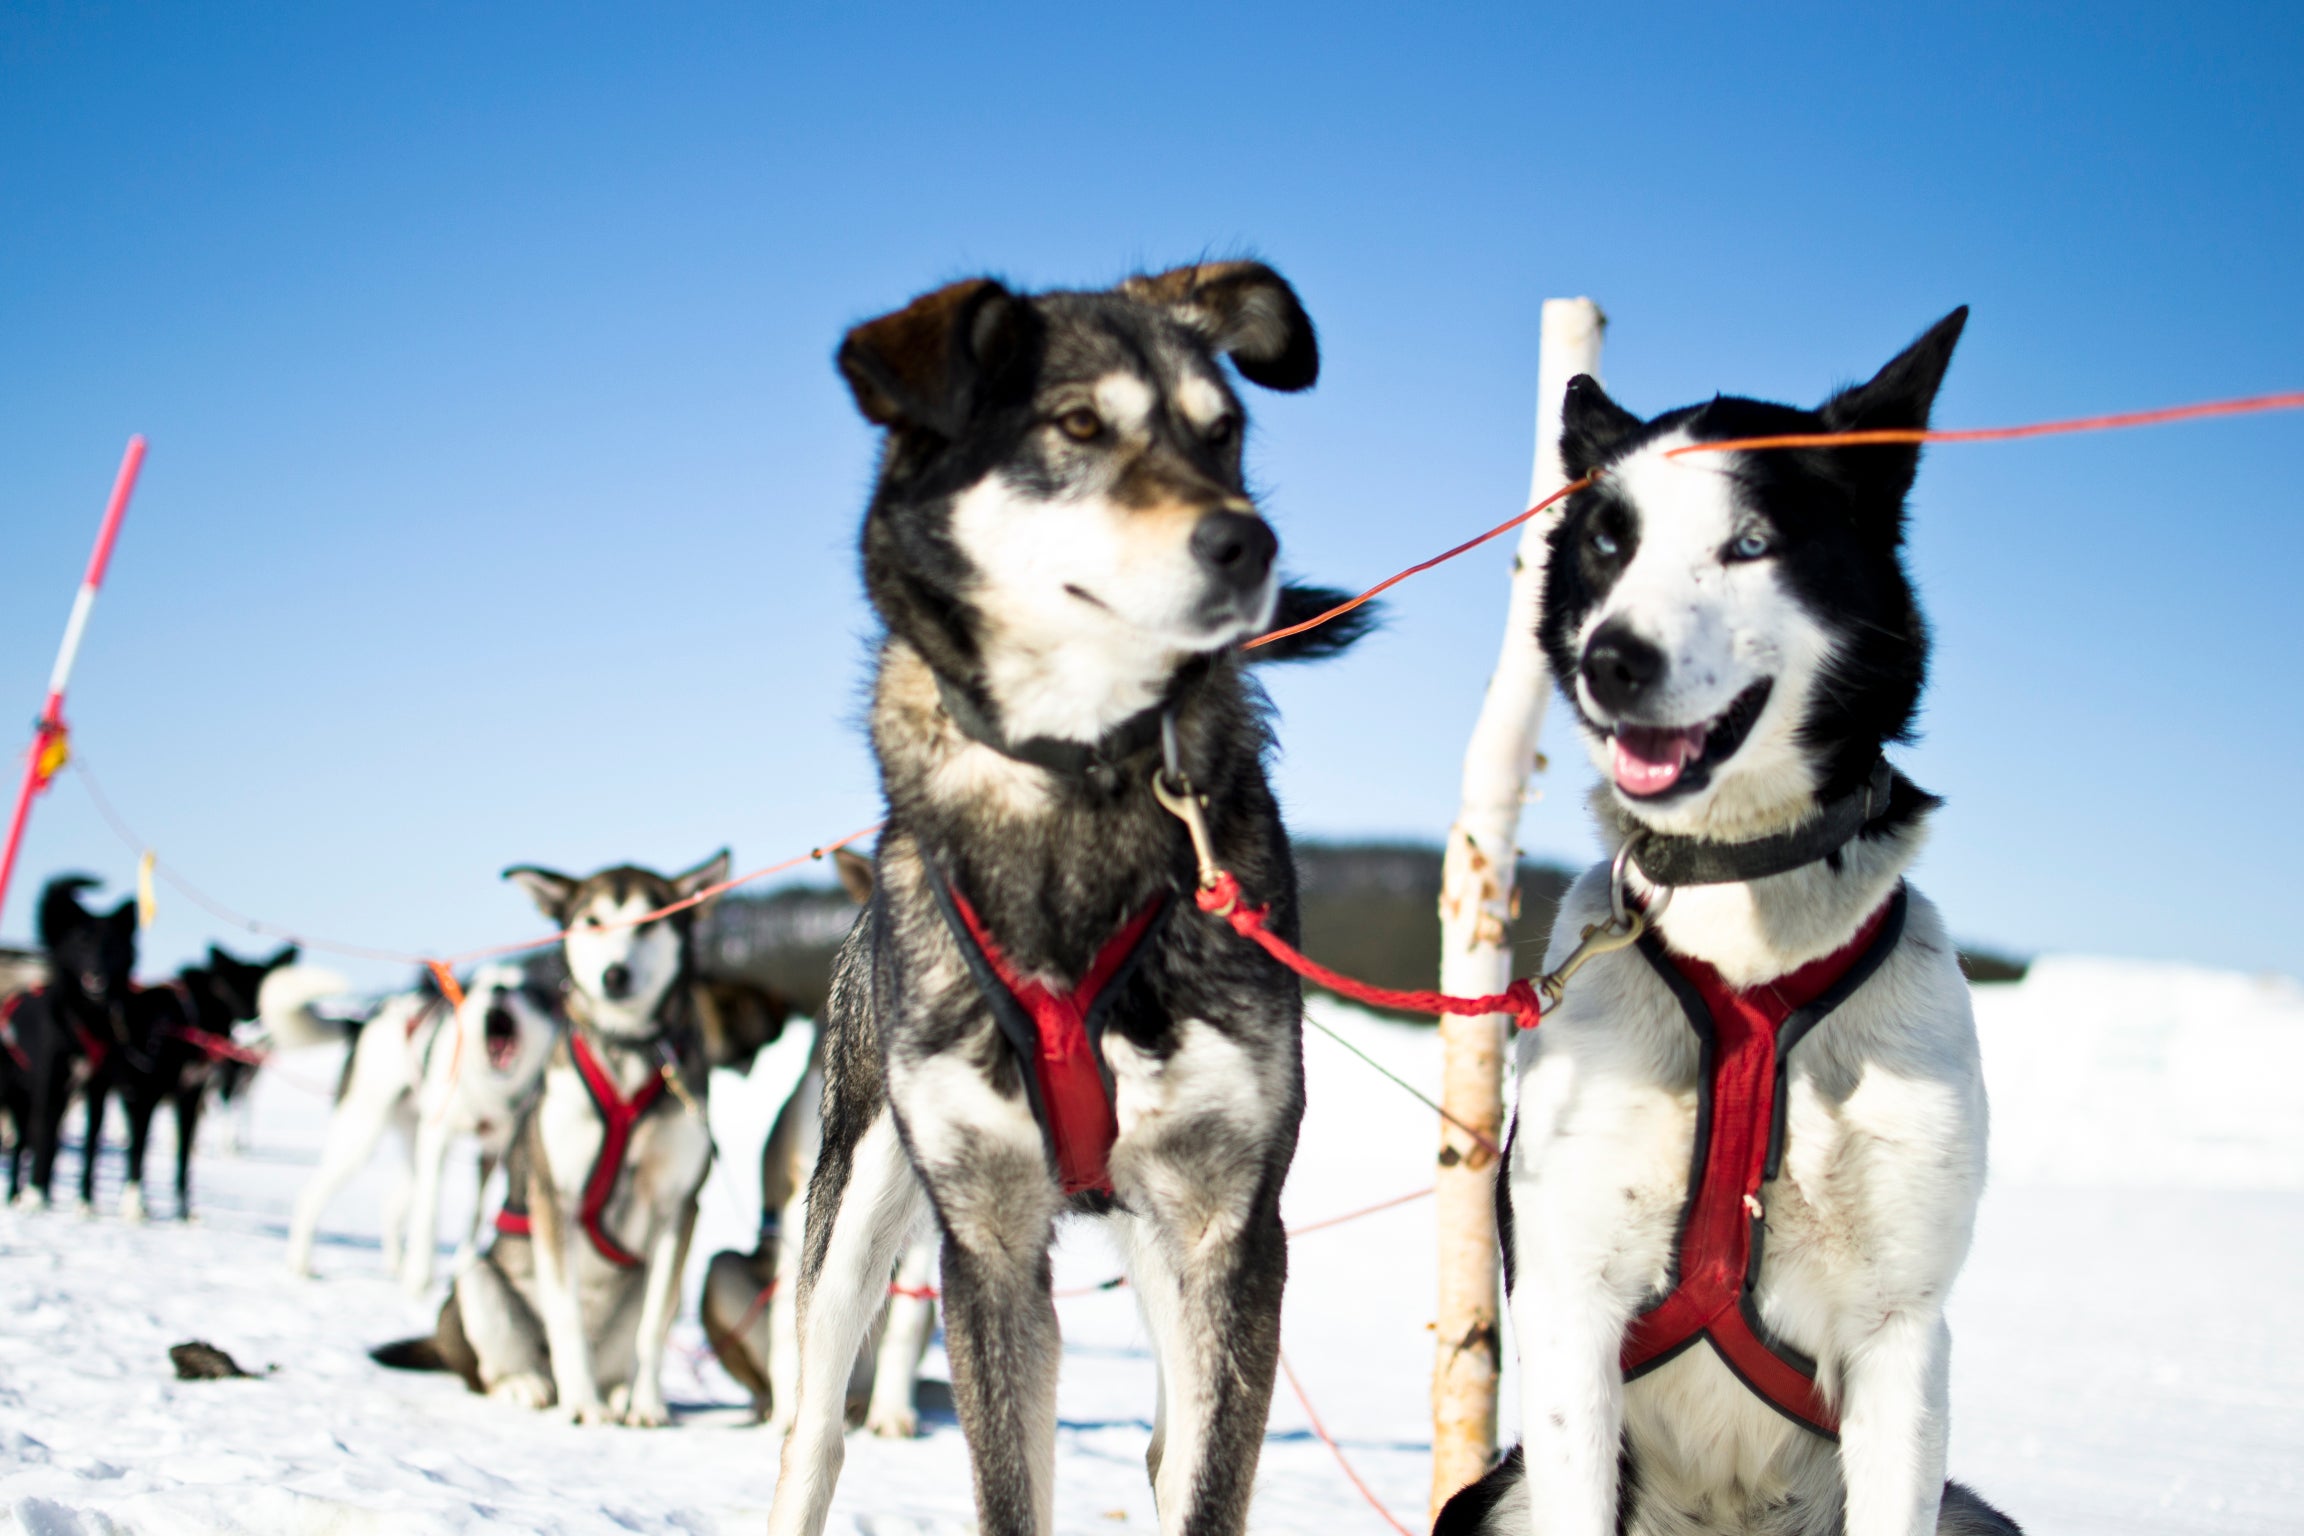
1604 544
1750 546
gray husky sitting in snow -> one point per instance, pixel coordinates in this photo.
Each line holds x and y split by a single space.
572 1303
1745 1164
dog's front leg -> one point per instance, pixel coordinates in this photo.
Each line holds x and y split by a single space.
1206 1132
560 1307
1893 1425
659 1304
862 1199
424 1203
1211 1300
1000 1331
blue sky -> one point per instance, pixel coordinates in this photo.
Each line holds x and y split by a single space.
502 499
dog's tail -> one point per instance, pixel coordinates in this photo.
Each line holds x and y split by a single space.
421 1353
285 1004
1299 603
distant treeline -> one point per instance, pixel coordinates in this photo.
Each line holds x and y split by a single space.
1371 910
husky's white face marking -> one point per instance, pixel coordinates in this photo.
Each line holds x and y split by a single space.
1201 400
621 967
1711 744
1089 604
1125 402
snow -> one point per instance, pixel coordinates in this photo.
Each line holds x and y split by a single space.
2121 1363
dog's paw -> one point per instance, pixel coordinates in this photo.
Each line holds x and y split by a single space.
526 1390
593 1412
416 1280
648 1413
901 1422
132 1204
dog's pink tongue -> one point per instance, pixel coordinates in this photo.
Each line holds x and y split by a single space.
1649 758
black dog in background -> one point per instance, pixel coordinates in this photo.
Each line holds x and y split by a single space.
181 1046
71 1032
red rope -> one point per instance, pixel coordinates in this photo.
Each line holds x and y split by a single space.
212 1044
1419 568
1520 999
1312 1415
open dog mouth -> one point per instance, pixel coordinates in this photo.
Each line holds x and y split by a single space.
502 1038
1654 760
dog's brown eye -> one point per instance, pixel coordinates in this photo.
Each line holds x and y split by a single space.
1222 430
1080 424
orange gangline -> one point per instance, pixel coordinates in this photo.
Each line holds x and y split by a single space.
438 965
1336 1450
2117 421
1367 1210
1419 568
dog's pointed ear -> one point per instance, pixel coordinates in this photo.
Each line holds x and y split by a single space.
1900 394
855 873
122 918
1247 311
713 871
1898 397
927 364
286 955
1591 425
548 888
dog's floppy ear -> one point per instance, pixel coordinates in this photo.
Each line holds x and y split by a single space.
548 888
1590 425
855 873
1247 311
713 871
925 365
1899 396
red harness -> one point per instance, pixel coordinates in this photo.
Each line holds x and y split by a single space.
1055 1035
8 1040
618 1115
1747 1039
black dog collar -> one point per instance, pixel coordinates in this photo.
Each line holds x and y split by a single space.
1098 765
1676 861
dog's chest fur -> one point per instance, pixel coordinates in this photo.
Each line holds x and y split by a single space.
1884 1118
665 1160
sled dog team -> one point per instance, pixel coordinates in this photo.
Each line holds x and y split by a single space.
1745 1163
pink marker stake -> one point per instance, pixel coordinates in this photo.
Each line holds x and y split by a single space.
50 739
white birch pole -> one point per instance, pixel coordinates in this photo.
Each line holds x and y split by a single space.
1477 906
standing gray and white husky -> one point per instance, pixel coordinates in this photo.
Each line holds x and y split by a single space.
1032 1017
1744 1169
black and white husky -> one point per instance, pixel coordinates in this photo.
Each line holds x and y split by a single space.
1064 553
1767 1259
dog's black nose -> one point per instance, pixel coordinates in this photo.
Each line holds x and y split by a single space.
1235 548
616 981
1619 667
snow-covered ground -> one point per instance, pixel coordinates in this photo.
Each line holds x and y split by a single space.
2126 1358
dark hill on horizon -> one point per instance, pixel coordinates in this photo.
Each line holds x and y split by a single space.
1371 910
